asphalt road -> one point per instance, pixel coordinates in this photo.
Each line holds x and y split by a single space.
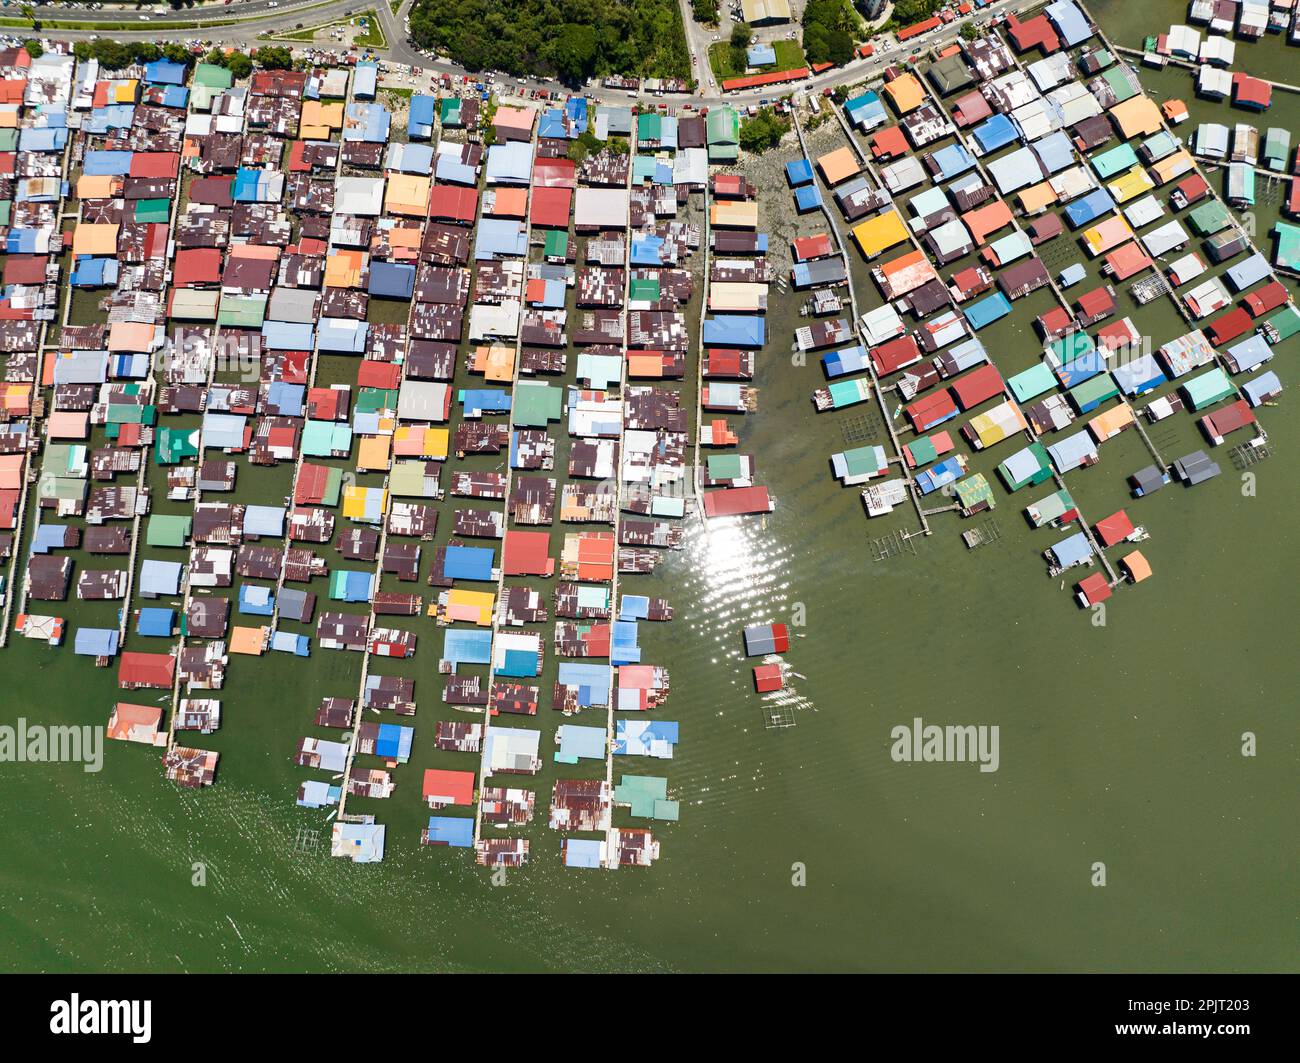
288 14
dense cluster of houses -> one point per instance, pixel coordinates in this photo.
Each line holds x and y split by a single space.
1025 147
209 281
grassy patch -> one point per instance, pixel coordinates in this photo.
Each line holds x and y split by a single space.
374 34
789 56
373 37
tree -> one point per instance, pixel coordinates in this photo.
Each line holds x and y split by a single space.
523 37
705 11
971 32
763 131
34 48
239 65
575 53
828 28
275 57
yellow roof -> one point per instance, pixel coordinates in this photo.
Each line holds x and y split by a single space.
407 193
422 441
741 213
474 607
355 498
94 239
1130 183
880 233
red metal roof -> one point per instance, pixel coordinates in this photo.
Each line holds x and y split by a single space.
527 553
918 28
1234 323
1267 298
888 142
452 203
1094 588
807 247
155 164
146 670
774 78
737 500
1114 529
978 386
1227 420
550 207
893 355
767 677
1251 91
1036 33
197 265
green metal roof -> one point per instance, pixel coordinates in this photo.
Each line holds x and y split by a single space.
535 404
166 529
1208 388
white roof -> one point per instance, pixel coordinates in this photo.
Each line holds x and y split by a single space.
359 195
605 208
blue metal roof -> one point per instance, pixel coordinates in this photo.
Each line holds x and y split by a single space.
468 562
155 622
95 642
456 831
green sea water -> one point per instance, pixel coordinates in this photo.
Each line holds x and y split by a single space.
805 848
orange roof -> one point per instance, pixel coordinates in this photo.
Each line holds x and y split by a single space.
596 556
248 640
407 193
94 239
495 362
906 92
319 118
135 723
448 787
343 268
838 165
134 336
1136 116
1037 197
510 203
97 186
986 220
1137 565
374 452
